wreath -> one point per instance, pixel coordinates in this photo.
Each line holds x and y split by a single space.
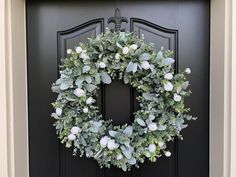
126 57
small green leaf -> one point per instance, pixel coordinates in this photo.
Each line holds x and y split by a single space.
105 77
98 78
90 87
168 61
145 56
130 67
112 133
141 122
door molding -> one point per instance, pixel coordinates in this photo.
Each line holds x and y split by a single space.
13 89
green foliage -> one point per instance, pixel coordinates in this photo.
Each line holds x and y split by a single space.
124 56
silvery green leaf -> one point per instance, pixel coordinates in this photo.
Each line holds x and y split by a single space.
185 85
82 141
97 124
130 67
118 45
148 96
128 131
145 56
112 133
79 81
126 143
159 55
90 87
122 36
168 61
85 68
151 117
64 85
135 67
56 89
105 77
93 129
88 79
126 79
132 161
58 81
98 78
100 55
161 127
140 122
128 152
124 167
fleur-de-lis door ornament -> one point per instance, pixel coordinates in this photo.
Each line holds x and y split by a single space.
117 20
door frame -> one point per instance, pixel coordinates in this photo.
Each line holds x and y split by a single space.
13 89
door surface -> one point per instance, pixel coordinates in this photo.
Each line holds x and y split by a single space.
54 26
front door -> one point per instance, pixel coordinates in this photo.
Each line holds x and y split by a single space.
55 26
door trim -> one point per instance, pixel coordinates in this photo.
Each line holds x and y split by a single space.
13 89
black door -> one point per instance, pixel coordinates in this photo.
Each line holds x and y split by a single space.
54 26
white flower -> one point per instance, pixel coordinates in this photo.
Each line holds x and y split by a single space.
152 126
187 70
145 65
117 56
167 153
119 157
75 130
85 110
84 55
112 144
102 65
59 111
79 92
160 143
90 100
134 46
103 141
69 51
78 49
71 137
152 148
125 50
177 97
168 86
168 76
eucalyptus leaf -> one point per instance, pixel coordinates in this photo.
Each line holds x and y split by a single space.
56 89
148 96
145 56
128 131
161 127
88 79
79 81
64 85
141 122
112 133
85 69
98 78
135 67
168 61
130 67
93 129
105 77
132 161
118 45
185 85
90 87
126 79
128 152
